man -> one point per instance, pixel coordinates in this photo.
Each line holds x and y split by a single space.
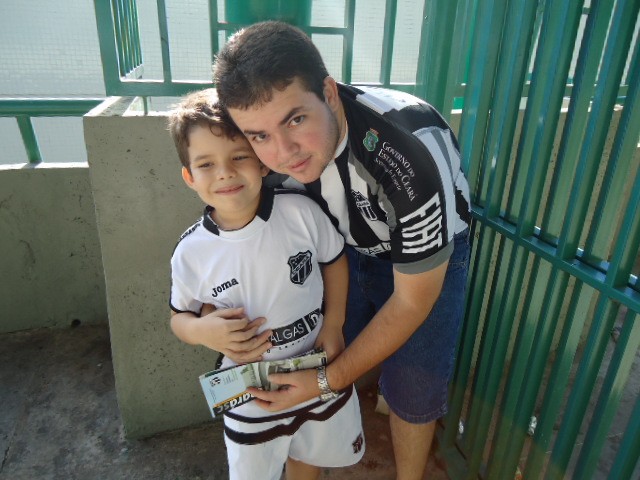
386 168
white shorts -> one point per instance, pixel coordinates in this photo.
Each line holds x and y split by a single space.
322 434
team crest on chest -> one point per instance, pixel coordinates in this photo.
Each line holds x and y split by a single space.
370 140
301 267
364 206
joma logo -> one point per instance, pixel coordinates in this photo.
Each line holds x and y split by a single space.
218 289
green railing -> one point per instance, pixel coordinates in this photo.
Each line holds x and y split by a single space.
550 143
24 109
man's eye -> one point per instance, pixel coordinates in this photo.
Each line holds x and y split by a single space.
297 120
259 138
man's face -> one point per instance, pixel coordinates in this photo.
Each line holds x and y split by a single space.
295 133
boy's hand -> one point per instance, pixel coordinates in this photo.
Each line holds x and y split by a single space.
233 334
227 331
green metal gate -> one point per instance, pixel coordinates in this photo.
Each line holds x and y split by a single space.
548 367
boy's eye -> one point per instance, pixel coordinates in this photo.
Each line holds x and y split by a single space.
297 120
240 157
205 165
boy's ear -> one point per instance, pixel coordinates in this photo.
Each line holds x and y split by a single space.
187 177
264 169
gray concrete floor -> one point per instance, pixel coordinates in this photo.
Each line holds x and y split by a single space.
59 419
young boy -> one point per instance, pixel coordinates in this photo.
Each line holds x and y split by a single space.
267 251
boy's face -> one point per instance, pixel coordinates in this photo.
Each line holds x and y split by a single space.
226 174
295 133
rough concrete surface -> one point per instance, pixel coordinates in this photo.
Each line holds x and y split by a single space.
59 419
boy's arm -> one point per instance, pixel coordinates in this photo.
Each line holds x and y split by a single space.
227 331
336 283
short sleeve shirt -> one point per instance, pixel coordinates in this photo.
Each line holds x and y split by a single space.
396 189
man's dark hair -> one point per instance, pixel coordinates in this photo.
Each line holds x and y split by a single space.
266 56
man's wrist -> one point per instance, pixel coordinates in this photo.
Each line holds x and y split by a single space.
323 384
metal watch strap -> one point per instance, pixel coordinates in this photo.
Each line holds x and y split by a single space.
325 391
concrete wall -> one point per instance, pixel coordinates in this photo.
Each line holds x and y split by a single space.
142 207
50 262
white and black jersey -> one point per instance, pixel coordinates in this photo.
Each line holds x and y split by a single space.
270 267
396 189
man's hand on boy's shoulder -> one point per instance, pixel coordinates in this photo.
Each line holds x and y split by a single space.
230 332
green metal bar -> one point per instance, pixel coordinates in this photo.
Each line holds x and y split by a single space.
117 20
483 247
484 54
136 35
468 14
576 119
130 40
434 59
582 387
611 393
29 139
493 358
613 63
532 369
164 41
505 431
628 454
347 53
556 385
531 349
559 27
388 35
108 45
125 40
47 107
214 28
625 253
585 273
511 71
496 160
624 147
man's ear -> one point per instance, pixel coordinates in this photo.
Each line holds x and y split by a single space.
330 90
187 177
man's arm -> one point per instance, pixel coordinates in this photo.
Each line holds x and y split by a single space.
335 277
409 305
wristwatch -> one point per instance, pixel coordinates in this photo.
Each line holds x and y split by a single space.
326 393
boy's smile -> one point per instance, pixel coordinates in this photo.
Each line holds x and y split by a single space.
226 174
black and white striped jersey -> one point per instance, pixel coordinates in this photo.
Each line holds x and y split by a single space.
395 189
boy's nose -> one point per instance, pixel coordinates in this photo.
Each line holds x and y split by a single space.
225 171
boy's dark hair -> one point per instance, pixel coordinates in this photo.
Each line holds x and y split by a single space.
199 109
265 56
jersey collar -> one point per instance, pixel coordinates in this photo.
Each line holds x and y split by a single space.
262 215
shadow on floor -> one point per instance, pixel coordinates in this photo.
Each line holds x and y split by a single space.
59 419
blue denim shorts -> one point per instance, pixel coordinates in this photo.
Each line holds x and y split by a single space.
414 380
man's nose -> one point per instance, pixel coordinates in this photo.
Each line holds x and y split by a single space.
287 146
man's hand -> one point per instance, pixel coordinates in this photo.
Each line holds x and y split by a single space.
298 387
